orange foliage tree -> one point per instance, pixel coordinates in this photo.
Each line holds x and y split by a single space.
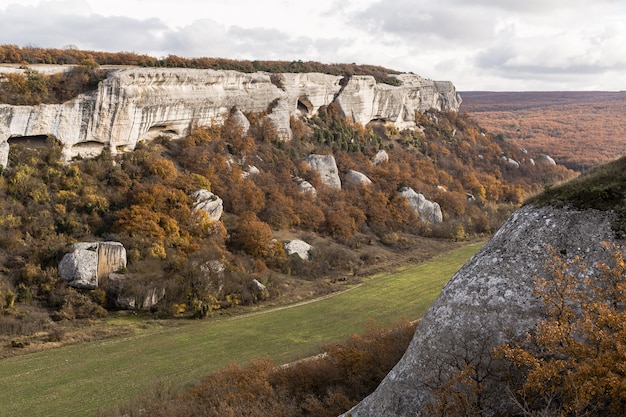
573 362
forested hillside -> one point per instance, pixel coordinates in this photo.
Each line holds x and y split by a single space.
578 129
142 199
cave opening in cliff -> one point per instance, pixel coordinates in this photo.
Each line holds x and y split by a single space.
31 142
305 106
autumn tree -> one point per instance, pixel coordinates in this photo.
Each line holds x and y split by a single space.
573 361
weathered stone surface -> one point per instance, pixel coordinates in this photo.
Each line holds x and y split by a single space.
259 290
240 120
511 161
127 296
549 160
91 261
488 302
135 104
365 100
298 247
356 177
428 211
381 157
326 166
209 203
307 187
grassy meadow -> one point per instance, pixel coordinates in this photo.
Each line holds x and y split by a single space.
78 380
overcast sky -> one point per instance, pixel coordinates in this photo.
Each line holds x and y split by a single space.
496 45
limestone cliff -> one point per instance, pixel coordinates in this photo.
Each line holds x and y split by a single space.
488 301
135 104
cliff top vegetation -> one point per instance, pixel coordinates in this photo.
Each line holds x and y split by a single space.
12 54
601 188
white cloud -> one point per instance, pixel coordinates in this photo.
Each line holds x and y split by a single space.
483 44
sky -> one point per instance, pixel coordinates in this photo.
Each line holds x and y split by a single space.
479 45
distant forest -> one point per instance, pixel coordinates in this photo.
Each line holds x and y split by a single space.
13 54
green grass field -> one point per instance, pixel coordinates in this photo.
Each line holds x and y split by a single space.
80 379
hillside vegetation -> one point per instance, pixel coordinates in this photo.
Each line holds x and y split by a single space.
142 199
578 129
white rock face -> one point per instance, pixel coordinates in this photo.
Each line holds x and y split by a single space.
299 247
356 177
91 261
489 301
326 166
209 203
428 211
135 104
365 100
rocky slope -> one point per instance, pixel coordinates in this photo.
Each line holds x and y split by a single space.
135 104
490 300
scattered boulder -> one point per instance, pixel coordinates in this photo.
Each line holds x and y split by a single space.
356 177
132 297
381 157
549 160
326 166
307 187
89 262
298 247
428 211
511 162
259 290
209 203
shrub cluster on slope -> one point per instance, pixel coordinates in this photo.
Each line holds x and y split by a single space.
142 199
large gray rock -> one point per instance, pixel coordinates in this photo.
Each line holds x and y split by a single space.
356 177
209 203
326 166
136 104
489 301
89 262
428 211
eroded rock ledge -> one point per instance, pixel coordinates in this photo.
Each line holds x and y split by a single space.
136 104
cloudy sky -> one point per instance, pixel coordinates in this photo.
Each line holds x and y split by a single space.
495 45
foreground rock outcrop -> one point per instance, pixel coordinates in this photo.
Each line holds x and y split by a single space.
135 104
489 301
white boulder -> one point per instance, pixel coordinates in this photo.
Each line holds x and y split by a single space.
307 187
381 157
209 203
356 177
326 166
550 160
298 247
91 261
428 211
